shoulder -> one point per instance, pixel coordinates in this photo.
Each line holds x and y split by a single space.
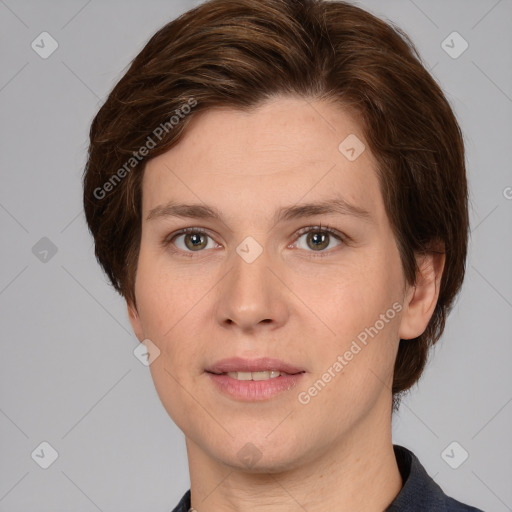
419 491
456 506
184 504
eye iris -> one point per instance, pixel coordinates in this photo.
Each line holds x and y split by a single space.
198 241
323 240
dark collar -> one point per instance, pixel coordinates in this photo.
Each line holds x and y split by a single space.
419 492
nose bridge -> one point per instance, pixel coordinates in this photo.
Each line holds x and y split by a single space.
251 294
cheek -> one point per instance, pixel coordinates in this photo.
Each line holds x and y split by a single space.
348 297
164 295
356 308
167 304
172 311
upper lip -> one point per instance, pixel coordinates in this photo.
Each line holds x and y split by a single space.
262 364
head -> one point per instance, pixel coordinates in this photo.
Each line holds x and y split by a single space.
247 109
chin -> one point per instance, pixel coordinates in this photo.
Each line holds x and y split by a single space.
257 452
262 461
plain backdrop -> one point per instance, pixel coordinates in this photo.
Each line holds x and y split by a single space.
68 375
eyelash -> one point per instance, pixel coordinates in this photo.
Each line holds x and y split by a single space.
167 241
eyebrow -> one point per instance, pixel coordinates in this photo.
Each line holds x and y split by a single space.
201 211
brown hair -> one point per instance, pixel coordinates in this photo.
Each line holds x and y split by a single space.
239 53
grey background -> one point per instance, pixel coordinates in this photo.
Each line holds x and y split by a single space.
68 374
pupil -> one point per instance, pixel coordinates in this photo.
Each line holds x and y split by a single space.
321 238
193 238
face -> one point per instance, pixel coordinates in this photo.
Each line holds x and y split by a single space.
318 290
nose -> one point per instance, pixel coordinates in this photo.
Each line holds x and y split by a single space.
251 296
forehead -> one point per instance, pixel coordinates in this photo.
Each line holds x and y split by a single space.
285 151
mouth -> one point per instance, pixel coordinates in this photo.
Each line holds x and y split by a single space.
262 368
256 379
259 375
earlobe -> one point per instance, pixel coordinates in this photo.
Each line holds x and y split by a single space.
133 316
421 299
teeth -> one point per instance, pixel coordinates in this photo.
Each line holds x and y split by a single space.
255 375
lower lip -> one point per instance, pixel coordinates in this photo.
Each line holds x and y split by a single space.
252 390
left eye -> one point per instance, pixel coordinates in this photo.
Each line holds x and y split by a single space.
318 239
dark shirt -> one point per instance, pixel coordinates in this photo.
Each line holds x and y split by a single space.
419 492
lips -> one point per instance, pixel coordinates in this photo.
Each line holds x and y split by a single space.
254 380
263 364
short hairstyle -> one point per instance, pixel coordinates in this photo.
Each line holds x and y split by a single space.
239 53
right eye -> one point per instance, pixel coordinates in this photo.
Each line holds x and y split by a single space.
190 240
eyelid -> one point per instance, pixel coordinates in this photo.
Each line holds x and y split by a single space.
320 228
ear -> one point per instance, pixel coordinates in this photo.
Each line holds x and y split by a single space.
133 315
421 299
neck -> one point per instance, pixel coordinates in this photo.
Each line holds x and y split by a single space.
359 472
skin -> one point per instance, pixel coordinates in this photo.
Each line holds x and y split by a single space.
335 452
